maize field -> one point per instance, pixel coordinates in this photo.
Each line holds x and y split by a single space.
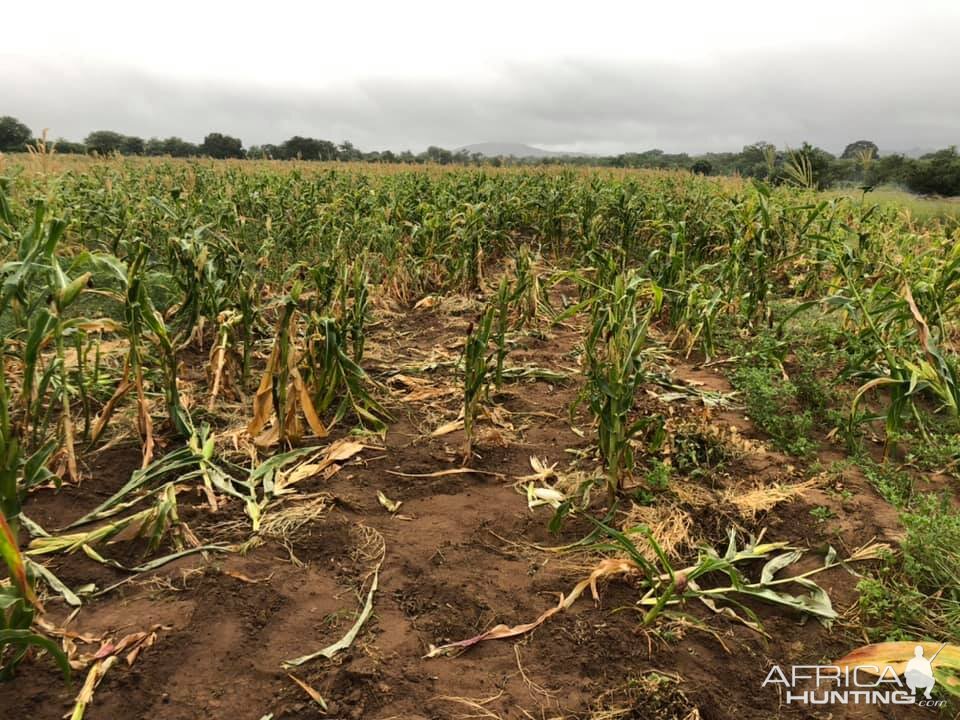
296 440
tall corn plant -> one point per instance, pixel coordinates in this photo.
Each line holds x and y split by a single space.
467 246
39 287
528 292
616 355
18 598
897 351
282 395
314 366
480 362
143 327
798 170
477 367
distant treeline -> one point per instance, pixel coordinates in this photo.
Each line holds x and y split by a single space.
860 163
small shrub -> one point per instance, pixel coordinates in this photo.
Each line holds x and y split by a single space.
771 404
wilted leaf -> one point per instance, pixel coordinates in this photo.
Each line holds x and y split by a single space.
388 504
945 664
448 428
347 640
314 695
10 553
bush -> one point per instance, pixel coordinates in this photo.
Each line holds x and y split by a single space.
917 594
935 174
701 167
771 403
14 135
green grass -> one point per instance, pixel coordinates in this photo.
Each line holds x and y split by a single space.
938 451
916 593
922 208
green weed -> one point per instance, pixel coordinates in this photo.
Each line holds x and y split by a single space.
771 403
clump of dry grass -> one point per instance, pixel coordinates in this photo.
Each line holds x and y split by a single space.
670 525
751 500
691 494
284 523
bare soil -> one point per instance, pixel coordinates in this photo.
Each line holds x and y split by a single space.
459 559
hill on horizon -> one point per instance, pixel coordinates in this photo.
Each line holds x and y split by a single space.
518 150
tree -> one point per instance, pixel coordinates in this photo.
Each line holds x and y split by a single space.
755 160
892 168
178 147
701 167
936 173
132 145
65 147
220 146
438 155
104 142
820 163
266 152
304 148
853 150
347 151
14 135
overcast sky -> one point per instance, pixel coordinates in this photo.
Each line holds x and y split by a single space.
588 76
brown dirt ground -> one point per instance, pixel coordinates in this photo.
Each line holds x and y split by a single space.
456 563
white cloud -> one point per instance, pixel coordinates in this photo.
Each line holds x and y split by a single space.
602 76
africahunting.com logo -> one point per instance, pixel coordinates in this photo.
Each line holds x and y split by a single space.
882 674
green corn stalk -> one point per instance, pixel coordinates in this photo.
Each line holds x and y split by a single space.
616 367
332 372
720 582
501 305
18 600
18 607
354 306
476 371
799 171
528 291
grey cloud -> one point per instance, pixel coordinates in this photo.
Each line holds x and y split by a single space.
827 96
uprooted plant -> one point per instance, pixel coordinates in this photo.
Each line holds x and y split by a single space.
663 587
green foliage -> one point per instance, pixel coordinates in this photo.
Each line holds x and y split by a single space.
105 142
220 146
822 513
894 484
937 450
702 167
808 167
772 403
172 146
891 611
851 151
915 594
14 135
477 367
812 391
930 548
935 174
304 148
616 357
721 579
